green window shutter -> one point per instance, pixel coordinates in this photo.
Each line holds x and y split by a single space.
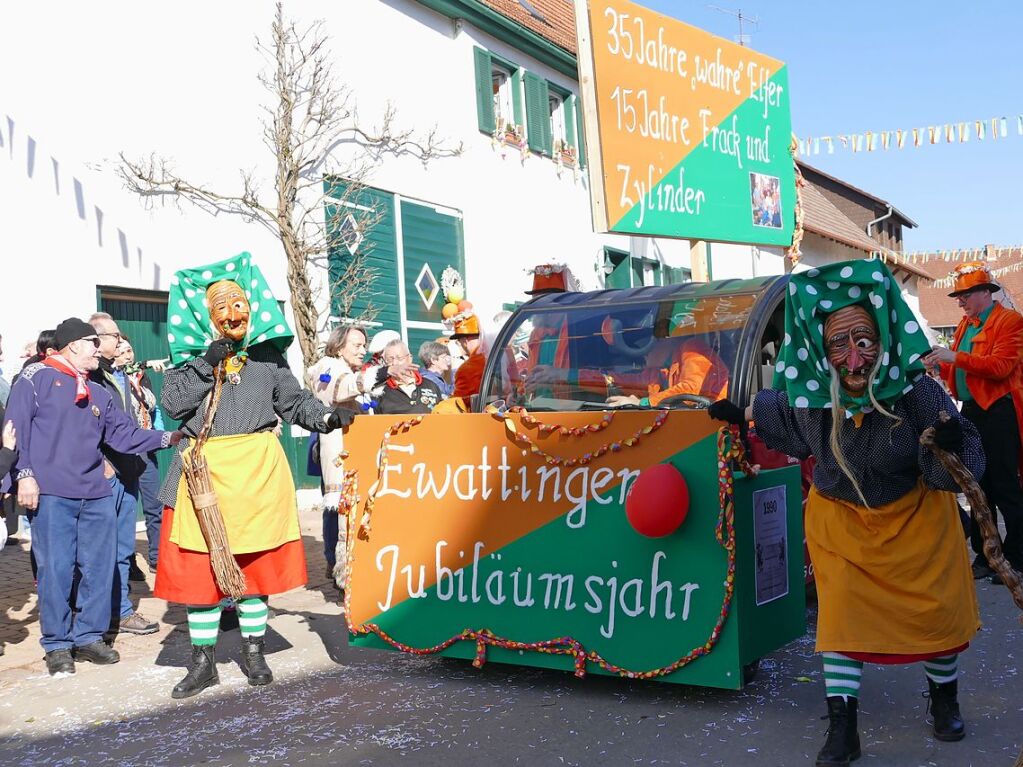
677 275
620 277
621 274
570 113
484 90
379 254
538 116
580 135
637 272
517 109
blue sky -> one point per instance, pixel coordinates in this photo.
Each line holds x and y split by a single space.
870 65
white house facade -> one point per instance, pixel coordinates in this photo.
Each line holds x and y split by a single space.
181 81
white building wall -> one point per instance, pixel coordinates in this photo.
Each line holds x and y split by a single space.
180 80
731 261
820 251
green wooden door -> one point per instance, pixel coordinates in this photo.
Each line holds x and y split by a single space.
406 244
362 230
142 316
431 240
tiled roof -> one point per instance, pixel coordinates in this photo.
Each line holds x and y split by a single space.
942 311
905 219
557 25
821 216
